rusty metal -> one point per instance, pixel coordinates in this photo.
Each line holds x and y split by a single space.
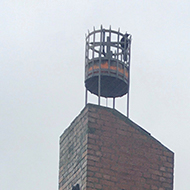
107 64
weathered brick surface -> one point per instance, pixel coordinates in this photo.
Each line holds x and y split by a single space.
73 154
114 152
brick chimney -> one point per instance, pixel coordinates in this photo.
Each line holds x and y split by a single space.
104 150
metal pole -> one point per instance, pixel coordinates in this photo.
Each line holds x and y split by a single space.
128 104
99 83
86 97
99 76
128 76
114 103
128 92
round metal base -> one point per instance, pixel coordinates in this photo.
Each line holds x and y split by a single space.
111 87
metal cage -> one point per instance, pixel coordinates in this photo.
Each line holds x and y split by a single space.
107 63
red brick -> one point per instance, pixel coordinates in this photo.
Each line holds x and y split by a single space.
90 184
105 112
108 150
146 175
167 185
154 177
92 136
90 173
91 119
107 183
170 159
119 155
168 175
91 168
98 153
94 114
100 123
121 132
156 172
169 154
162 179
168 164
93 147
107 171
98 186
114 157
108 118
153 187
170 170
91 162
162 169
139 136
99 143
163 158
98 175
92 179
146 186
114 179
131 129
106 177
94 158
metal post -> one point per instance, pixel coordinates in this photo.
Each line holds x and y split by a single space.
107 65
86 97
99 83
114 103
128 104
100 60
129 46
128 92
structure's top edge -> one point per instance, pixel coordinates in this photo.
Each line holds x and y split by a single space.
109 30
119 115
129 121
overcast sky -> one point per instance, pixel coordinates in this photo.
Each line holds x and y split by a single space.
42 79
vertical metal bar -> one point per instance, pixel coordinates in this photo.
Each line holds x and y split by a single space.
129 46
87 54
86 97
128 104
93 47
128 92
106 102
86 65
113 102
85 57
100 59
117 52
110 56
103 40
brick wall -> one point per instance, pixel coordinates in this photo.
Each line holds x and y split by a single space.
117 154
72 155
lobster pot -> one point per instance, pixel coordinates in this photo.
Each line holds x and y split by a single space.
107 61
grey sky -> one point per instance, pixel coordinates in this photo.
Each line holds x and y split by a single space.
42 79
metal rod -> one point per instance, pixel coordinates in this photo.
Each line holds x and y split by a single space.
128 104
86 64
86 97
128 92
103 40
114 103
99 76
128 77
117 53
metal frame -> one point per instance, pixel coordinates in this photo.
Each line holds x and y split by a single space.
105 44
